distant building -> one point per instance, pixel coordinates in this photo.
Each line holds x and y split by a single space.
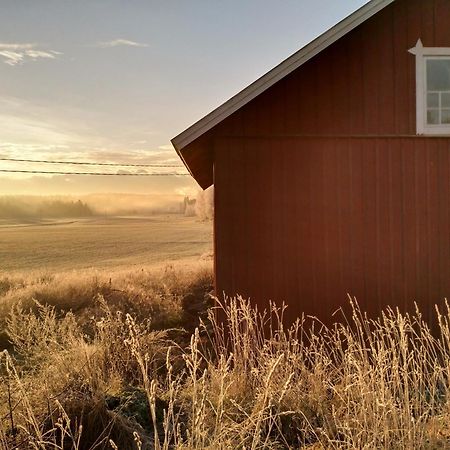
332 171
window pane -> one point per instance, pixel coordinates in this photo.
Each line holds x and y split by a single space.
445 101
433 116
445 116
433 100
438 74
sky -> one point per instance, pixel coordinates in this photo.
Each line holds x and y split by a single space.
115 80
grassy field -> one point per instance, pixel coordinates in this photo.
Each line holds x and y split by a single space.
100 355
102 242
120 373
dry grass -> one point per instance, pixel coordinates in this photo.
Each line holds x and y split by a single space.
171 295
246 383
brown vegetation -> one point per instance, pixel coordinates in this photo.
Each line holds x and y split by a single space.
119 373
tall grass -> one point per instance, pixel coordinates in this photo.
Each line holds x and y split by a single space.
244 382
172 295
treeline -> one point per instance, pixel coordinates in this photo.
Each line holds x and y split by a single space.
29 207
16 208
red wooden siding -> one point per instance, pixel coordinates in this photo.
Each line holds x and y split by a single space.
322 186
307 221
364 84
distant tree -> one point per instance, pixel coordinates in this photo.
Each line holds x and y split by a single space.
29 207
188 206
204 206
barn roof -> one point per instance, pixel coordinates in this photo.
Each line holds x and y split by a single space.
263 83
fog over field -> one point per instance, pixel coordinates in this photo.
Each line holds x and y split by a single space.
103 230
19 207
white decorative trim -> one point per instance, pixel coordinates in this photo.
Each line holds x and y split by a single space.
285 68
422 53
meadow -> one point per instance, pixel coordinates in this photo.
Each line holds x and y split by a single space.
139 361
111 340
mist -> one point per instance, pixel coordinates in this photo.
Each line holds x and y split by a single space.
21 207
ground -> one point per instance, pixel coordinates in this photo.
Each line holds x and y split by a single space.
102 242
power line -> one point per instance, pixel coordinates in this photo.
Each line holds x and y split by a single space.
45 161
158 174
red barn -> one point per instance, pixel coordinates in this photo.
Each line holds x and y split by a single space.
332 171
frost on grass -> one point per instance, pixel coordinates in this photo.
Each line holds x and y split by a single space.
123 378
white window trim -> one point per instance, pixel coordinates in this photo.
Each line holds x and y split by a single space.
422 53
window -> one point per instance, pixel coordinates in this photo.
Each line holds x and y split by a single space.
432 89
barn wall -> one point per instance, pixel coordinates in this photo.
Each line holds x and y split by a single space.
362 84
323 188
307 221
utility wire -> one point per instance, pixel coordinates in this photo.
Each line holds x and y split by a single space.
45 161
158 174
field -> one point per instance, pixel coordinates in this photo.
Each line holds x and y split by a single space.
102 242
110 341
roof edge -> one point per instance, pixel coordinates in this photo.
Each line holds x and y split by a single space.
280 71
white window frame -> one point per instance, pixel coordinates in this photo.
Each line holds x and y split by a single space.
422 54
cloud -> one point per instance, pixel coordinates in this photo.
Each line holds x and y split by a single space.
120 43
34 133
16 46
34 54
25 184
11 58
37 131
19 53
166 147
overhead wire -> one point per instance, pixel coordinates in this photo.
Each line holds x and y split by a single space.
86 163
154 174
